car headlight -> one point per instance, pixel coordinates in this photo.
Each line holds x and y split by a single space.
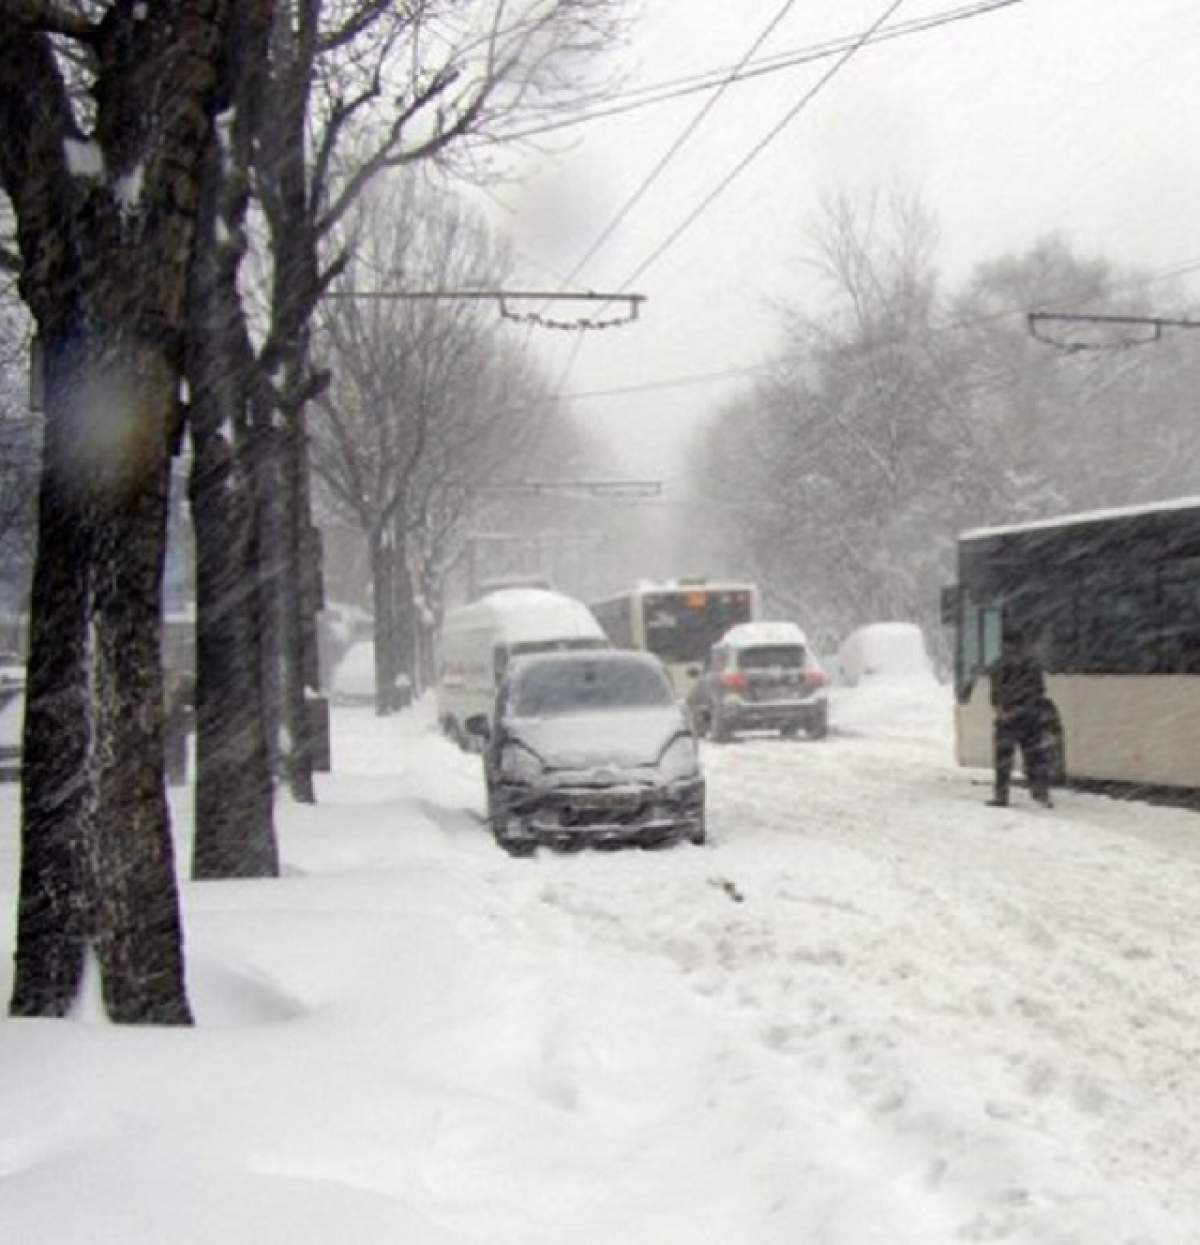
518 764
679 759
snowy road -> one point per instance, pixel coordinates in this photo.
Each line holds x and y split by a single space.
995 1008
872 1010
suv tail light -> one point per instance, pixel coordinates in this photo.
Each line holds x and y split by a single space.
735 680
816 676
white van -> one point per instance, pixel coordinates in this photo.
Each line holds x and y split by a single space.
478 640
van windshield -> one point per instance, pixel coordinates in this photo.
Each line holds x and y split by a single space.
772 657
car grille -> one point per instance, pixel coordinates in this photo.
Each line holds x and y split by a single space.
582 809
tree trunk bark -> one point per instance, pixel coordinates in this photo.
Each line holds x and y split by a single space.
298 626
98 861
405 611
234 795
234 822
129 864
382 589
51 910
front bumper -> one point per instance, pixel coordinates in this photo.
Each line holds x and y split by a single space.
569 817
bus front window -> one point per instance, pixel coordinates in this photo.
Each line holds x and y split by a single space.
681 626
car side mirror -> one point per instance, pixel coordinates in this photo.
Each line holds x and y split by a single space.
478 725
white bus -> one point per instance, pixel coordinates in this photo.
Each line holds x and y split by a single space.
1111 602
678 621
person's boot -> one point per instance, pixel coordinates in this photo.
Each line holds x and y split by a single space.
999 798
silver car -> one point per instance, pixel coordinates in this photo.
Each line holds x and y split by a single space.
590 749
761 676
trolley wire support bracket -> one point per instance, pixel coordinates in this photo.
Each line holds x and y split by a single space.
540 320
503 299
1106 328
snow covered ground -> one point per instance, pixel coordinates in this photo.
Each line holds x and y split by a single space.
871 1010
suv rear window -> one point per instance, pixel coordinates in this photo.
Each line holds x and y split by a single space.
772 657
579 686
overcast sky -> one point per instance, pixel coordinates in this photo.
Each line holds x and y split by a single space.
1077 116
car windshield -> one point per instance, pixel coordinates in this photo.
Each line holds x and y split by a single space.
772 657
579 686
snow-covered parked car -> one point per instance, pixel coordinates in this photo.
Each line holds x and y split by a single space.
354 678
887 650
761 676
590 749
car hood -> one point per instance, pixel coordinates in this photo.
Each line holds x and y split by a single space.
591 741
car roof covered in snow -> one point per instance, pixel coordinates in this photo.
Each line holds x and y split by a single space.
752 634
527 614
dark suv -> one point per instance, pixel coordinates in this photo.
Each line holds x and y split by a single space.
760 676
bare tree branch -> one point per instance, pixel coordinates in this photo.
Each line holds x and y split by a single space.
46 17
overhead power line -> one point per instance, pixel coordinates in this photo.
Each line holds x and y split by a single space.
677 145
714 79
755 151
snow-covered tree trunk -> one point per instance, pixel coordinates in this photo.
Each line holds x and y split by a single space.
105 203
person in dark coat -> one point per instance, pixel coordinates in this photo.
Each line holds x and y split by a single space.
1018 705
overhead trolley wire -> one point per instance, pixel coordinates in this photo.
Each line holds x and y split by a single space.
678 88
760 146
675 147
654 173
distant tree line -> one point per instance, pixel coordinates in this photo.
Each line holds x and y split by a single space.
893 414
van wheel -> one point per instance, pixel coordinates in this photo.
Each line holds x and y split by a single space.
818 728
